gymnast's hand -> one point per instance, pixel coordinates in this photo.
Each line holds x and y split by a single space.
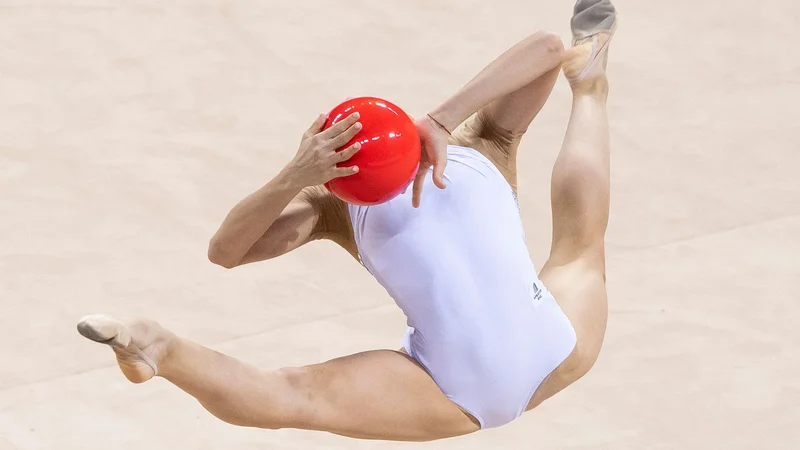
434 153
316 161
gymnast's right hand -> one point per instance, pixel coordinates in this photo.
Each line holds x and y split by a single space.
316 162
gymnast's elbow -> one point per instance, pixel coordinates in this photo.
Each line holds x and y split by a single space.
549 47
221 255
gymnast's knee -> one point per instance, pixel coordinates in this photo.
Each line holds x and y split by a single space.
290 407
582 252
300 399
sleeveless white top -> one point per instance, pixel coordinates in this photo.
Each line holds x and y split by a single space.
480 321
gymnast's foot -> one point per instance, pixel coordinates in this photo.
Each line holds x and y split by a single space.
593 25
140 345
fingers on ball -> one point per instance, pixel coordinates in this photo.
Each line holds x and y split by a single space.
348 153
315 127
346 136
342 126
345 171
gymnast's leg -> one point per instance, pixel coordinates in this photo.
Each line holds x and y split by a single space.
373 395
580 195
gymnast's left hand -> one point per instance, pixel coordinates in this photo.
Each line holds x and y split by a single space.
434 154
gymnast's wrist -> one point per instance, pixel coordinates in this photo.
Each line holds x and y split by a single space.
443 121
437 123
291 178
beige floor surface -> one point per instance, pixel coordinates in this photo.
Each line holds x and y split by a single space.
128 128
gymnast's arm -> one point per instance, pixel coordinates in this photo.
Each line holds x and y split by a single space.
515 69
267 223
284 214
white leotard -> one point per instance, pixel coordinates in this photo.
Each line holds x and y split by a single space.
480 321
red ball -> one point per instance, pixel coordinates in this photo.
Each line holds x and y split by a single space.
389 156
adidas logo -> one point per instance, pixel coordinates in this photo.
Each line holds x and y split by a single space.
537 293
